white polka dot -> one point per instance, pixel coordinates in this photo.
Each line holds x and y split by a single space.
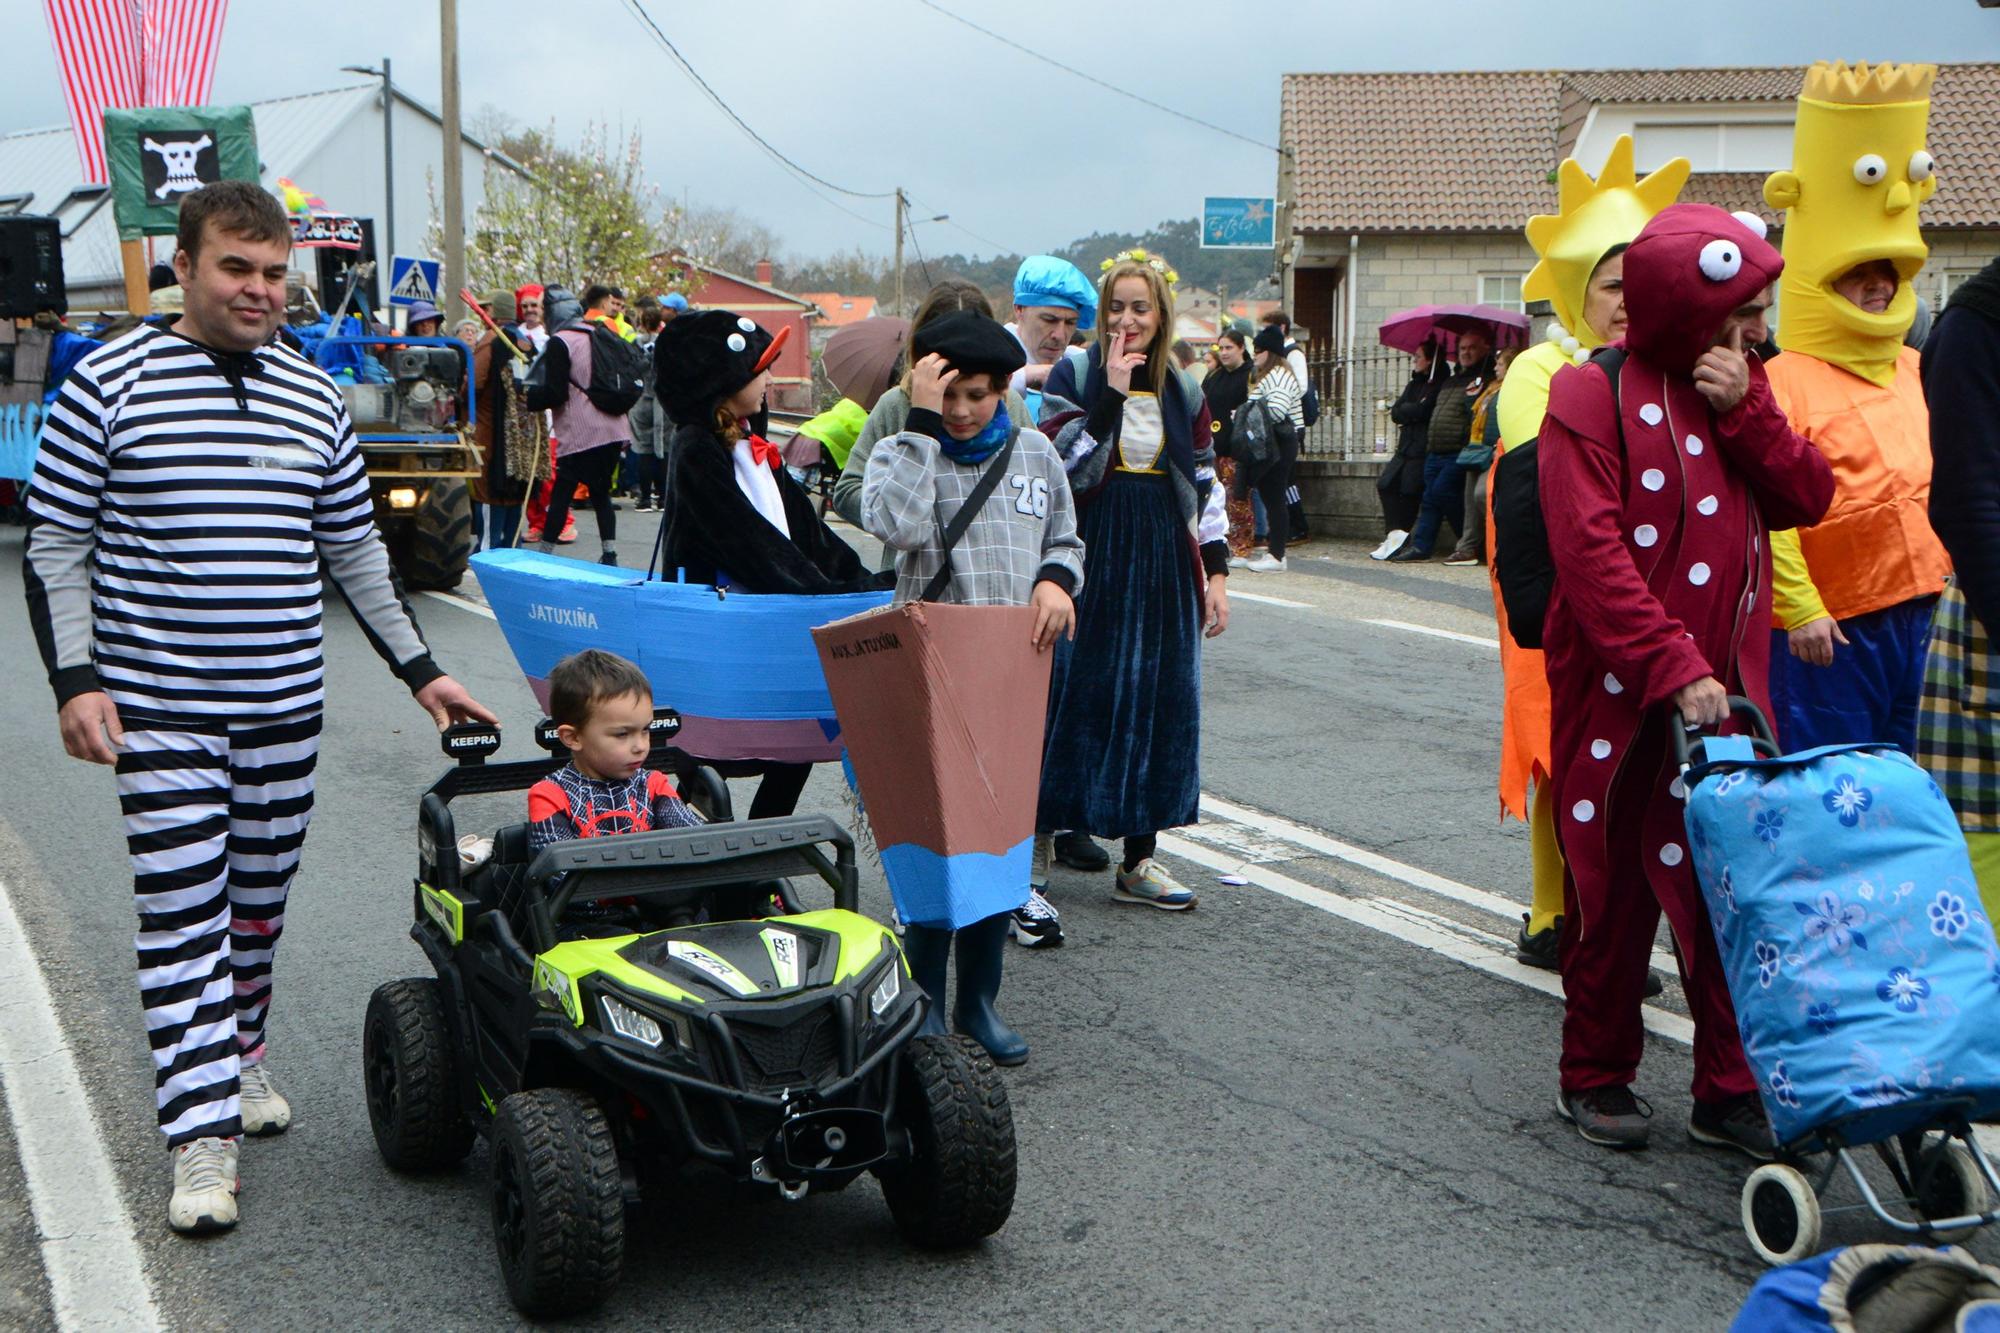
1583 812
1600 749
1651 414
1694 445
1698 575
1611 685
1646 534
1677 789
1707 505
1670 855
1652 479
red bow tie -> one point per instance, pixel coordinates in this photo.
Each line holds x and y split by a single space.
765 454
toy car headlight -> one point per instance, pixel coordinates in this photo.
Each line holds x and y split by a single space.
885 994
629 1023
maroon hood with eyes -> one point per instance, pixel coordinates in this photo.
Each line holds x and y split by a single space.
1690 267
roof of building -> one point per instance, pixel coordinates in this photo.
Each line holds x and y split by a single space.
805 303
837 311
1477 151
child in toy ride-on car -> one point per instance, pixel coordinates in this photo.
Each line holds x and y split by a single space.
602 705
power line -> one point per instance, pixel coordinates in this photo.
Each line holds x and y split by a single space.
1092 78
640 12
998 249
911 232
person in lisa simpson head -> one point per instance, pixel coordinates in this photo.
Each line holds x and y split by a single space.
1020 549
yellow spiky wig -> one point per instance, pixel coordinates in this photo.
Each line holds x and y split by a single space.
1859 171
1593 216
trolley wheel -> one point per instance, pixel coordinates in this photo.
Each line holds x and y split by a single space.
1949 1185
1780 1214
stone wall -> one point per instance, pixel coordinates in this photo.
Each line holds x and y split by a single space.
1339 497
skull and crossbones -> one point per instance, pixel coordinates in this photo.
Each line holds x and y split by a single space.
179 158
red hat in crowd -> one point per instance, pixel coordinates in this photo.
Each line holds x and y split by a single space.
528 292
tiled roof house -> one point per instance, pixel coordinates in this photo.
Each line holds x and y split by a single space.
1403 189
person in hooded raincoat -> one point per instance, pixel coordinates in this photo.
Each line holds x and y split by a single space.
1658 498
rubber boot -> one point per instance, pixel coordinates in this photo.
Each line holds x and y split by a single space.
982 949
929 952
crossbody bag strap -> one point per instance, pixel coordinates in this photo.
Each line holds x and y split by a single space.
960 521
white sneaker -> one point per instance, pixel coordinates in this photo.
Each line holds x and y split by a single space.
1045 852
1239 562
205 1185
265 1110
1267 564
1389 545
1035 924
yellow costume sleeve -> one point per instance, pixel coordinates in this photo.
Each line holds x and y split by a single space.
1524 394
1795 601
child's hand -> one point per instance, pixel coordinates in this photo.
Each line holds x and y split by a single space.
1055 614
928 382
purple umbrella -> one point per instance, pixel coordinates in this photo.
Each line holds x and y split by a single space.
1407 330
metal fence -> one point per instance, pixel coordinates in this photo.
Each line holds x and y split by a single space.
1355 394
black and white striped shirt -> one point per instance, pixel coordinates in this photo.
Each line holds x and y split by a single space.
211 485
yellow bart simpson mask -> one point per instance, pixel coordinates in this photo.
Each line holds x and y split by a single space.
1859 170
1594 216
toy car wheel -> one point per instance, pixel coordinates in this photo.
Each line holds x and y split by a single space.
1780 1213
558 1201
410 1068
1949 1185
957 1186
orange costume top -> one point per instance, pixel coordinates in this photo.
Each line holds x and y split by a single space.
1875 547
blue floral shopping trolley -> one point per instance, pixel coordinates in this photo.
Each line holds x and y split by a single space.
1864 973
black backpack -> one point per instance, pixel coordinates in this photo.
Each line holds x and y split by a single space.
1521 560
618 370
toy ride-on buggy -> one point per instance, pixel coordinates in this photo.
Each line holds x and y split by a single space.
782 1049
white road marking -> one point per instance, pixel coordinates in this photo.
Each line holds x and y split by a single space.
1451 634
462 603
1412 926
1269 600
90 1250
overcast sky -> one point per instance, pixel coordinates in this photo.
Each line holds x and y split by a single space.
872 94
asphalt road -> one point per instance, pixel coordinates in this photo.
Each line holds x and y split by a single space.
1275 1111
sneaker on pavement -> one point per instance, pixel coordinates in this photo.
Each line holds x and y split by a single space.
1078 851
1389 545
1239 562
1035 923
1610 1117
205 1186
1267 564
531 536
1738 1123
1538 949
265 1110
1038 869
1460 561
568 533
1147 883
1407 553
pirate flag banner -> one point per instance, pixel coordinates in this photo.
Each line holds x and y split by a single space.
942 709
159 153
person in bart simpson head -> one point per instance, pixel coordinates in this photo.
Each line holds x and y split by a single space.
1581 273
1855 593
1657 495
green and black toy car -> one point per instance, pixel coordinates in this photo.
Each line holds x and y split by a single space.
782 1049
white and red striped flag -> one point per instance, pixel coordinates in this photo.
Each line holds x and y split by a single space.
125 53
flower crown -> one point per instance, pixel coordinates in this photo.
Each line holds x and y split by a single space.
1138 256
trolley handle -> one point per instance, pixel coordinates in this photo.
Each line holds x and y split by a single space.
1690 743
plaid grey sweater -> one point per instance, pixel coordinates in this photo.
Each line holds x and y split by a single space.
1025 532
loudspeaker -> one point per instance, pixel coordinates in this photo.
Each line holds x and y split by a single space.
31 268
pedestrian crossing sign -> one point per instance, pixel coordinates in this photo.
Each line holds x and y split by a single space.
413 280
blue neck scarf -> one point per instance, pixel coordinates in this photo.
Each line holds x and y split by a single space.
981 446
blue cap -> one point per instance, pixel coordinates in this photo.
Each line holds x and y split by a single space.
423 310
1047 280
674 301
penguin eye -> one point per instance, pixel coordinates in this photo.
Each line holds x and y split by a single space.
1721 261
1922 164
748 325
737 342
1870 169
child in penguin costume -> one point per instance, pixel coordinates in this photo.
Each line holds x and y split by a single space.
1659 497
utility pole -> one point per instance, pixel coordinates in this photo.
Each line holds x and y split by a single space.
455 276
388 164
902 207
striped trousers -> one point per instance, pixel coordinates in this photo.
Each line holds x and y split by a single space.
214 822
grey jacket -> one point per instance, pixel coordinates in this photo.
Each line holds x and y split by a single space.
1025 532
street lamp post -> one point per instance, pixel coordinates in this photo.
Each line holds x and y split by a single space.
388 151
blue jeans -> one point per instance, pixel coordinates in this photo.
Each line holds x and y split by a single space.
1870 693
1444 501
1259 523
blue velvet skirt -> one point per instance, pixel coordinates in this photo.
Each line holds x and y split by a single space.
1122 755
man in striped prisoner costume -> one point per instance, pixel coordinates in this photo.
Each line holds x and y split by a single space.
191 481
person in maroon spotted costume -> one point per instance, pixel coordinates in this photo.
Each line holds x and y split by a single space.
1658 498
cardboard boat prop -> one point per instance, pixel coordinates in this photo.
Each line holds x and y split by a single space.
942 708
739 668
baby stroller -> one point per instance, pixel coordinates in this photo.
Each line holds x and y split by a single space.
1864 973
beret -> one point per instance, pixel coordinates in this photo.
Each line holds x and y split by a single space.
971 343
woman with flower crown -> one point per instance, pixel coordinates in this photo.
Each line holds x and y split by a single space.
1124 725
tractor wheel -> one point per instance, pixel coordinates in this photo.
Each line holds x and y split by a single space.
440 539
